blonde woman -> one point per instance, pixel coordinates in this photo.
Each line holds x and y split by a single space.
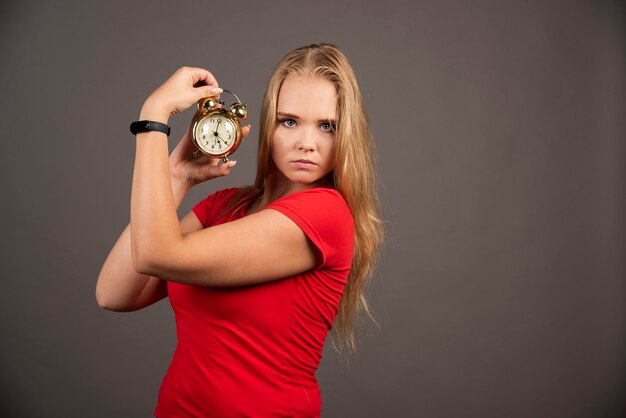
256 276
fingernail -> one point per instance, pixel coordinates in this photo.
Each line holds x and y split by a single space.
216 90
232 164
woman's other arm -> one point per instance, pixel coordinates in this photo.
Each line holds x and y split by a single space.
120 287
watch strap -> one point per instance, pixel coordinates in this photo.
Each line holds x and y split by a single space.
141 126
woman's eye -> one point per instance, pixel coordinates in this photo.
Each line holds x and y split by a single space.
328 127
288 123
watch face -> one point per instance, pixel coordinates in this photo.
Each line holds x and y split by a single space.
215 134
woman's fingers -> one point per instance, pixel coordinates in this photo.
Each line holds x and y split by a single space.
218 170
185 87
206 91
245 131
225 167
201 77
203 82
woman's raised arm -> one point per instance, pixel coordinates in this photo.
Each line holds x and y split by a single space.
120 287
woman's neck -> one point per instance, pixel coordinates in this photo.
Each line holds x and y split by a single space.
274 189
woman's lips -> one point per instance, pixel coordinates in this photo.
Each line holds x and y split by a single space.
304 163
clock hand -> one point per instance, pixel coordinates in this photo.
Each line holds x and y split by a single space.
217 127
220 139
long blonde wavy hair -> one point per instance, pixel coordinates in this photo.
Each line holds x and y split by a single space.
353 174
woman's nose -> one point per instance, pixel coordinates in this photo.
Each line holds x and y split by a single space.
306 141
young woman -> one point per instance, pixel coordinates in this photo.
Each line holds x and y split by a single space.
256 276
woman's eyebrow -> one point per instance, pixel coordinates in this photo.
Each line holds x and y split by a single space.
287 115
292 116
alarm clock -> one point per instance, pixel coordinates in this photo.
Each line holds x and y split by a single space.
215 130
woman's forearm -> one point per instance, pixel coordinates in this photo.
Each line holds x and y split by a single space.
153 206
155 230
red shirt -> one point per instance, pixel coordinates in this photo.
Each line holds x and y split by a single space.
253 351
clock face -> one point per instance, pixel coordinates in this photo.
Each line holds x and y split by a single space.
215 134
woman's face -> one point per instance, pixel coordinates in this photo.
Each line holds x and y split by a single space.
305 130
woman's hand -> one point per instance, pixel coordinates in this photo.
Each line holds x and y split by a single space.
184 88
191 170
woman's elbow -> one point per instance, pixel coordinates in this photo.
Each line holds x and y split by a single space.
146 260
107 298
142 263
145 266
104 300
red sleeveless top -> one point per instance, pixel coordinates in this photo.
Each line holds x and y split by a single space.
253 351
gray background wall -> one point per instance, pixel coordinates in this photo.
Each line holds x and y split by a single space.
500 133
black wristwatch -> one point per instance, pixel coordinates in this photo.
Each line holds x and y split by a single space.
141 126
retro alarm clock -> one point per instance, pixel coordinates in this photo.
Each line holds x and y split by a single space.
216 131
